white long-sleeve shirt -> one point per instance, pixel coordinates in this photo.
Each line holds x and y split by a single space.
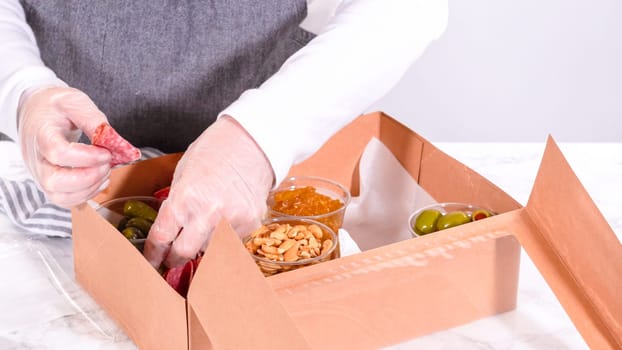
356 58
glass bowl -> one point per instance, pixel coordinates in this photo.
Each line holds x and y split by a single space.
441 216
285 256
295 205
112 211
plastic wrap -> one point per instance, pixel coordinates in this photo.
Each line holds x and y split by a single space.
42 283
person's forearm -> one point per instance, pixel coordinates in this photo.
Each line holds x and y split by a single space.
20 64
362 53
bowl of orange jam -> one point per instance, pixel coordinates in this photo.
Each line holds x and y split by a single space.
310 197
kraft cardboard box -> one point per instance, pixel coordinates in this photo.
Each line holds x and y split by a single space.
378 297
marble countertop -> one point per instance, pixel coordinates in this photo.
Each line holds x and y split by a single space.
37 312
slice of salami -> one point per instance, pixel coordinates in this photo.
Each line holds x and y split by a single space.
180 277
122 151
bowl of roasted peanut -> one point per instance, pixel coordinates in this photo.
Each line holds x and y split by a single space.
284 243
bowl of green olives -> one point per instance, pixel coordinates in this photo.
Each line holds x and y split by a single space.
442 216
132 216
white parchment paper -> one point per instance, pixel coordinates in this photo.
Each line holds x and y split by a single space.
388 195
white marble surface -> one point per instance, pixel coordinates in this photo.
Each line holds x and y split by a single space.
36 314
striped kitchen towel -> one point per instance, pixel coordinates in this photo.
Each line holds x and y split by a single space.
26 206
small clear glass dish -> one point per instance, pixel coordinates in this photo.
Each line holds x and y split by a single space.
440 216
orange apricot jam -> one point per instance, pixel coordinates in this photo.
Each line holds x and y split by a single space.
304 201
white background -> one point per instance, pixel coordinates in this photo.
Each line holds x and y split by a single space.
516 71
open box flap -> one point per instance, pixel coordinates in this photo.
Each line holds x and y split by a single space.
108 266
117 275
233 302
346 146
393 293
576 251
443 177
448 180
140 178
338 158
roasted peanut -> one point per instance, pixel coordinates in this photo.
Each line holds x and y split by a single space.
287 244
260 231
316 230
280 235
259 241
326 245
316 251
292 253
268 249
313 243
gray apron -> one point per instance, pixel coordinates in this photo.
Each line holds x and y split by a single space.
162 70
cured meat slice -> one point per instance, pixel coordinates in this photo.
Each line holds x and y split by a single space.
180 277
122 151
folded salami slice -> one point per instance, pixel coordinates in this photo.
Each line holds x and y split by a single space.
122 151
180 277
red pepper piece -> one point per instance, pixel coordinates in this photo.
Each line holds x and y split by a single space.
480 214
162 193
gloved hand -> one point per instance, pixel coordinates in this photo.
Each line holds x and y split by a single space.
51 120
223 174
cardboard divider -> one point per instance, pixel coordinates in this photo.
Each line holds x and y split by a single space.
576 251
338 158
406 145
447 180
397 292
197 338
108 267
114 272
233 303
141 178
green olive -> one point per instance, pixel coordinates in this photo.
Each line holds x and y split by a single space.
143 225
136 208
426 221
452 219
122 223
132 232
480 214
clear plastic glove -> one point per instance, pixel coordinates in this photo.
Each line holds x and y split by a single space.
223 174
51 120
